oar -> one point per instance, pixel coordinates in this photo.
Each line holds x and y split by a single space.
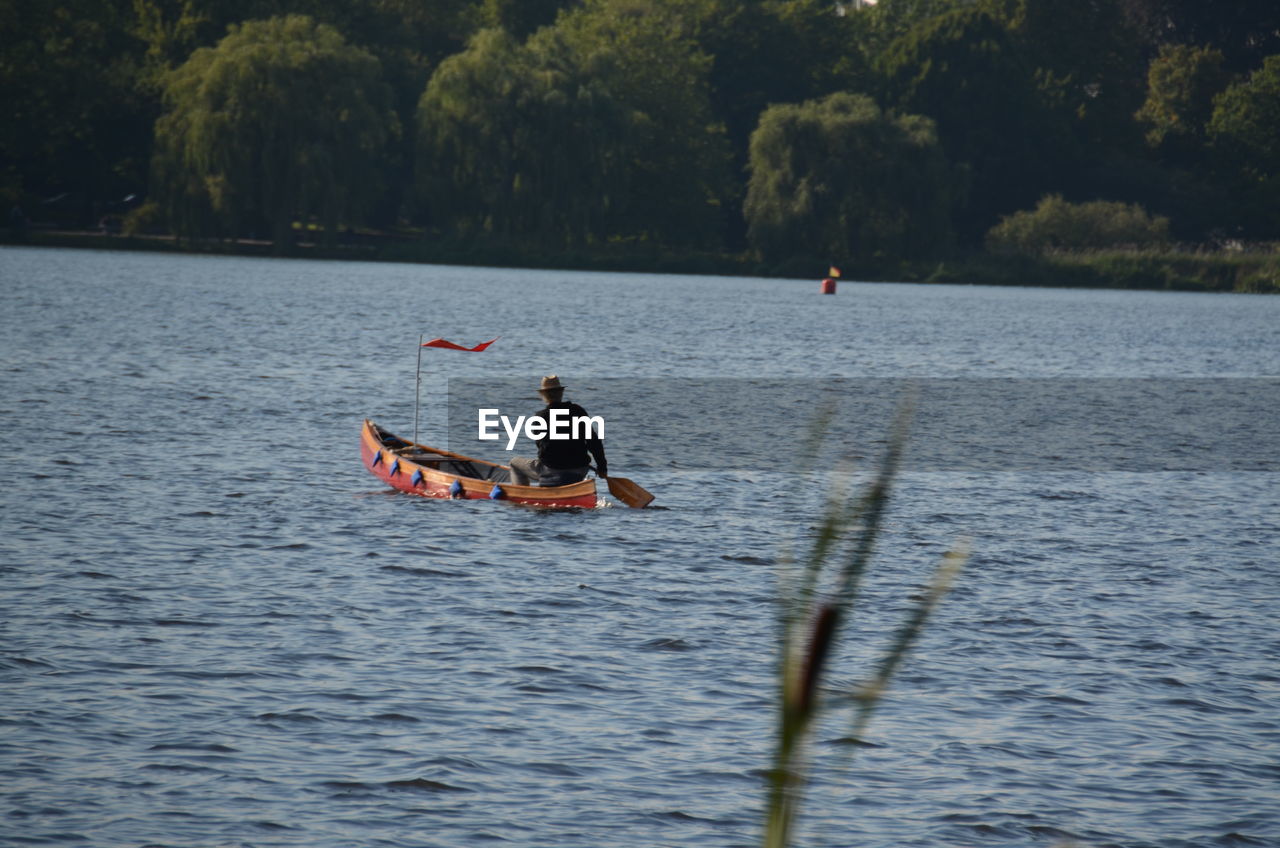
629 492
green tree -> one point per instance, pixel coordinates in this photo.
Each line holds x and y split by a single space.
964 70
521 18
773 51
679 159
171 30
74 123
599 127
1181 86
522 142
1246 31
1057 225
892 19
837 179
1087 72
281 119
408 37
1245 132
433 29
1246 122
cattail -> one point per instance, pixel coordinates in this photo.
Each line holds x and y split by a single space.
824 631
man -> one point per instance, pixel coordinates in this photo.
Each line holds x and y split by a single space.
560 461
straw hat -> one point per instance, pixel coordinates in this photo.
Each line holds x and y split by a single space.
550 384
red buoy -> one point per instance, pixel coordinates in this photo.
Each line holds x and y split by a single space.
829 284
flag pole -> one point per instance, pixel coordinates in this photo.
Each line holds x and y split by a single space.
417 391
417 377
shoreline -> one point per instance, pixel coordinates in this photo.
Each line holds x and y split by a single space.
1239 272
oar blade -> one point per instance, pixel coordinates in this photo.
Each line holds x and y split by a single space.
630 493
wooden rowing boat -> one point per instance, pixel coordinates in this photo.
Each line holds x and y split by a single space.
435 473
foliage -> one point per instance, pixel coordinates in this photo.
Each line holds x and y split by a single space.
598 127
1256 271
964 70
431 29
1263 280
170 31
1196 200
522 142
772 51
889 20
628 123
1246 122
281 119
1181 86
145 219
1058 225
678 166
521 18
1087 73
841 179
75 121
816 600
1246 31
1245 134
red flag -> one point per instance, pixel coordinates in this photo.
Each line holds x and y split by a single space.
447 345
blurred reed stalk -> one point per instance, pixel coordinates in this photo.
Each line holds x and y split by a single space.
816 598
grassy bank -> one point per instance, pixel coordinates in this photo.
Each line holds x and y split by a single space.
1253 271
1171 270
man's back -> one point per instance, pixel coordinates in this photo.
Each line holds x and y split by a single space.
573 452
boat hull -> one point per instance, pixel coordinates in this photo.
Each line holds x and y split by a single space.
431 473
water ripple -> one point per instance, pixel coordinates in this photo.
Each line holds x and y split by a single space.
218 630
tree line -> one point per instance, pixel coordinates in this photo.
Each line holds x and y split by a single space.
784 128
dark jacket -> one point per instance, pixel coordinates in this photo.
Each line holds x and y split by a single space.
570 453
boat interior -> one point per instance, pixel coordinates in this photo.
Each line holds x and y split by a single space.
476 469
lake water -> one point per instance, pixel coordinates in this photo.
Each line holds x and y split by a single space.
217 629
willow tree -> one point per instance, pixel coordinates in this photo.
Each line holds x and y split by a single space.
595 128
838 179
679 165
521 143
281 119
